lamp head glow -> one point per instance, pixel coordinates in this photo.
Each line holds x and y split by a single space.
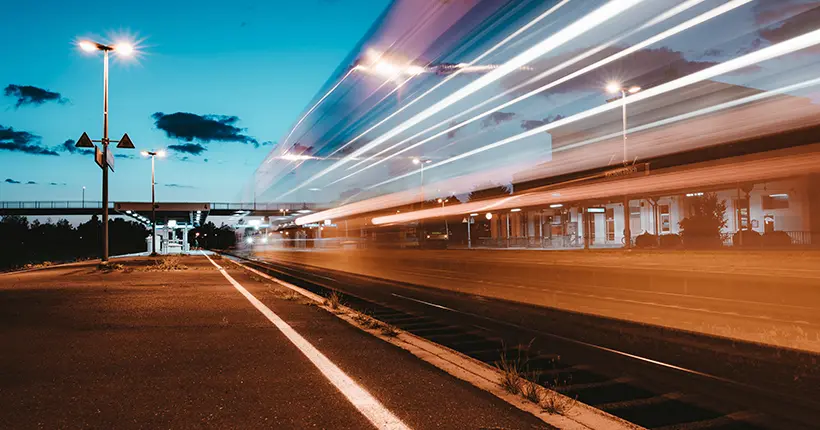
416 161
613 87
489 215
88 46
634 89
160 153
144 153
124 49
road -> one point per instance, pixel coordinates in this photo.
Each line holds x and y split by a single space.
140 348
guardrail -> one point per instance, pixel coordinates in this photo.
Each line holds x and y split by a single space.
55 204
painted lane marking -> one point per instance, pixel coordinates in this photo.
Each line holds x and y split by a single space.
371 408
423 302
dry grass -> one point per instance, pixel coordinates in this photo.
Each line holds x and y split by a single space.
167 264
530 389
554 403
333 300
512 373
388 330
369 322
111 267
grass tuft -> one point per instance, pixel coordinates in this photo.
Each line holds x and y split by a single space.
333 300
512 373
168 264
554 403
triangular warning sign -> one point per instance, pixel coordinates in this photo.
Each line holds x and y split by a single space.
84 142
125 142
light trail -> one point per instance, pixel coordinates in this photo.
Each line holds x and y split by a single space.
587 23
786 47
668 33
315 106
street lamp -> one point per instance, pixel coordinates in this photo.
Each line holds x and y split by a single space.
83 197
446 225
153 154
614 88
123 49
421 162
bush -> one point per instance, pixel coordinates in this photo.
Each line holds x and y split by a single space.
669 240
646 240
750 238
777 238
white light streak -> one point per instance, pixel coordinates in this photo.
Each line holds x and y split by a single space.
786 47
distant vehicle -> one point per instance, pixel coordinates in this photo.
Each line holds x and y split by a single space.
435 239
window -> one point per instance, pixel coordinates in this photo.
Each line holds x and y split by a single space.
742 213
775 201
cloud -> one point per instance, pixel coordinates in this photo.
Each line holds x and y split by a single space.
188 148
31 183
11 181
29 95
179 186
189 127
452 133
22 141
792 20
496 118
68 146
265 143
125 156
529 124
57 184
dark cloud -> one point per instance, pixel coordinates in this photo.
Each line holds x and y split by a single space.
529 124
452 133
714 52
68 146
31 183
647 68
29 95
11 181
22 141
179 186
188 148
189 127
496 118
125 156
794 20
265 143
56 184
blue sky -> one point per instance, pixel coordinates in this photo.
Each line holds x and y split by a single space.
259 61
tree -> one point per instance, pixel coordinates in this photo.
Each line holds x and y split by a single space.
488 190
704 226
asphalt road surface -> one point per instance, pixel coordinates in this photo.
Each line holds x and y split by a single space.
184 349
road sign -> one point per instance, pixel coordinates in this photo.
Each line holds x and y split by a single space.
98 156
109 158
84 142
125 142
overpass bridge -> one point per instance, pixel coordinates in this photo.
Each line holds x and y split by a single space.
184 213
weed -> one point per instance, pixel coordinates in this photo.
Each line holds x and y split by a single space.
388 330
168 264
555 403
511 373
333 300
530 389
110 267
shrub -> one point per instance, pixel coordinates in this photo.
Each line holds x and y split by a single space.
669 240
777 238
702 228
750 238
646 240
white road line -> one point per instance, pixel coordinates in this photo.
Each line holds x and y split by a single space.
371 408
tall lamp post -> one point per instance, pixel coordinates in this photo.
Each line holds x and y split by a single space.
614 88
83 197
421 162
153 154
123 49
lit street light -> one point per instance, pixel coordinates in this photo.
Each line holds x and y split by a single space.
614 88
153 154
123 49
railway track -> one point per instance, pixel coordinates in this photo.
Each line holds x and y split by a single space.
655 378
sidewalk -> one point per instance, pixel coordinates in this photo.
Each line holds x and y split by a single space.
144 348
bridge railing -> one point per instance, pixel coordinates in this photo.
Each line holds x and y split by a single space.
262 206
55 204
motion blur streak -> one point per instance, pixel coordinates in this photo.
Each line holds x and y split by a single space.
754 170
668 33
577 28
315 106
792 45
